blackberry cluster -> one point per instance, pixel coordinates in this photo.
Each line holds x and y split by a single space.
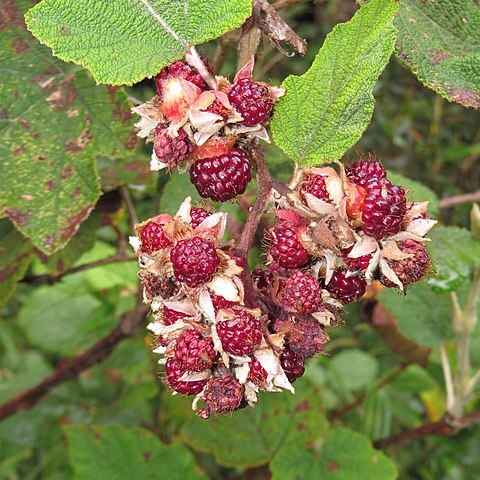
203 124
214 347
225 335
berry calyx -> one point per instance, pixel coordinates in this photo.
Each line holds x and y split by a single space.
153 238
383 209
193 352
286 248
316 186
194 261
222 178
252 100
257 374
362 171
198 215
346 289
292 363
174 372
241 334
221 395
171 150
301 294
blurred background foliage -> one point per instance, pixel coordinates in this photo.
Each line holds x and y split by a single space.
416 134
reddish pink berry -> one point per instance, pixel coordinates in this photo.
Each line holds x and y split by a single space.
252 100
359 263
171 150
153 238
174 372
193 352
362 171
194 261
301 294
170 316
316 186
384 207
241 334
346 289
221 395
409 270
257 374
179 69
220 302
198 215
293 364
286 248
222 178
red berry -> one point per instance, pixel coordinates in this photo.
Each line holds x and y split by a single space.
241 334
301 294
252 100
293 364
257 374
179 69
316 186
174 372
362 171
222 178
409 270
195 261
220 302
198 215
171 150
286 248
222 395
170 316
153 238
193 352
384 207
346 289
359 263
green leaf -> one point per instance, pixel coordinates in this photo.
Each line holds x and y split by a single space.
55 320
124 41
422 315
54 122
252 436
455 254
114 452
356 369
344 455
15 257
417 192
440 42
326 110
176 190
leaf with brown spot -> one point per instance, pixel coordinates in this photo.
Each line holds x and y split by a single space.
16 254
344 455
253 436
440 42
55 124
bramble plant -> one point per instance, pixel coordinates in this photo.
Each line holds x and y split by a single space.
261 240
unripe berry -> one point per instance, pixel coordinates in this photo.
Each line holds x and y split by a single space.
316 186
241 334
171 150
301 294
362 171
252 100
193 352
198 215
286 248
222 178
194 261
174 372
153 238
257 374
